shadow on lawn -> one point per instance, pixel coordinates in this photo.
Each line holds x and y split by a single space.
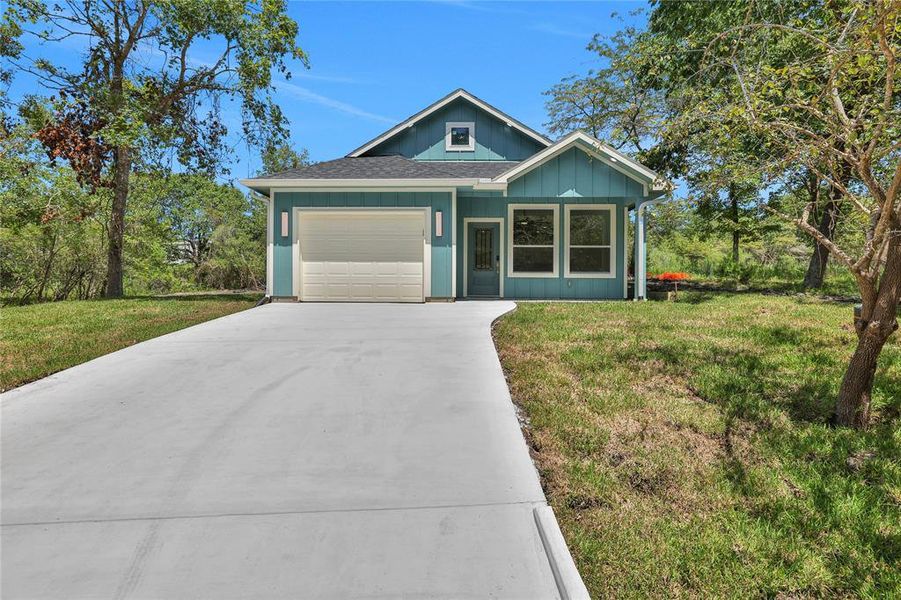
830 486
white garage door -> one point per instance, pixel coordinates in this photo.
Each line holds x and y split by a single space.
368 256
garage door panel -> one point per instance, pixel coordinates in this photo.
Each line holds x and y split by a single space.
357 257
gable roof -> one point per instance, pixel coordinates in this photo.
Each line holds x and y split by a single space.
595 148
459 93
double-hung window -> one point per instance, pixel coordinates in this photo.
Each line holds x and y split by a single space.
533 239
589 240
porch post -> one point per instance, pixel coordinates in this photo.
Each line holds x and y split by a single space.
636 262
641 278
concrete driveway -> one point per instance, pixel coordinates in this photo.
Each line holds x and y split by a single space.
304 451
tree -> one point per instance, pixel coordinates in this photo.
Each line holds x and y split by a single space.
611 102
140 96
833 98
826 214
50 238
280 156
632 102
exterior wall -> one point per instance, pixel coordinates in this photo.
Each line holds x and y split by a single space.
283 253
559 287
571 178
494 140
574 174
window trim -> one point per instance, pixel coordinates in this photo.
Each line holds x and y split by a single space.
510 248
613 241
472 136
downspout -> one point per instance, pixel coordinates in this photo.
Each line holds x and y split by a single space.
641 255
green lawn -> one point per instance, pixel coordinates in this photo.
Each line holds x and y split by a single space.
685 447
40 339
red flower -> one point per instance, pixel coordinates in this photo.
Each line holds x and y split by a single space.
668 276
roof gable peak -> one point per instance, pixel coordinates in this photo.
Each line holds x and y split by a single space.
459 93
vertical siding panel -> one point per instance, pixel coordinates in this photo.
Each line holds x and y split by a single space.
494 140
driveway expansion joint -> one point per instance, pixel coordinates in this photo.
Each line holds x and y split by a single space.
277 513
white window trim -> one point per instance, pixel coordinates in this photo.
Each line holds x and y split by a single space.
611 208
526 206
472 136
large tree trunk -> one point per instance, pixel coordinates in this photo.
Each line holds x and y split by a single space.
733 200
816 269
878 319
116 232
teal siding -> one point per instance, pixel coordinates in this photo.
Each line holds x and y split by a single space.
494 140
283 256
559 287
573 177
574 174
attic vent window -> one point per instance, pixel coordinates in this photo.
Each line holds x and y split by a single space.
460 137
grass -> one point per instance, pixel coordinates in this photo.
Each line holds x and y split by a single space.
39 339
686 450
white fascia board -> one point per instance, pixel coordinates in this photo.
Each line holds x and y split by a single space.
438 106
356 183
487 184
359 185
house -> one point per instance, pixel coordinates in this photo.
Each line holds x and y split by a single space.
459 201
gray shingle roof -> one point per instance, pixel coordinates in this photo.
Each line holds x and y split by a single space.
394 167
482 169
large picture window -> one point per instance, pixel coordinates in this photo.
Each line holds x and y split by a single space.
533 240
590 233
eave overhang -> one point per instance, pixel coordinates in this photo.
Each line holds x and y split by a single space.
266 185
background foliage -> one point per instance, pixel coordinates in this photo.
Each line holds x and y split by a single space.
185 231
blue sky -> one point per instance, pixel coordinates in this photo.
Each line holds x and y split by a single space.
375 63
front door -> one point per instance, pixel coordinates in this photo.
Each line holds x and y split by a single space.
483 278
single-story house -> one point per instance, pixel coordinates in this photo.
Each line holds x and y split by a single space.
459 201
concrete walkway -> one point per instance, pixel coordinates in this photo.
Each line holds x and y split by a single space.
303 451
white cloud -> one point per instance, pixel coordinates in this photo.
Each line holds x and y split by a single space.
304 74
302 93
561 31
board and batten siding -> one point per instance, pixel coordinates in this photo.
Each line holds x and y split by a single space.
571 178
550 288
283 252
574 174
425 140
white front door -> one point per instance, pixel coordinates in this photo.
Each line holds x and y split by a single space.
366 256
